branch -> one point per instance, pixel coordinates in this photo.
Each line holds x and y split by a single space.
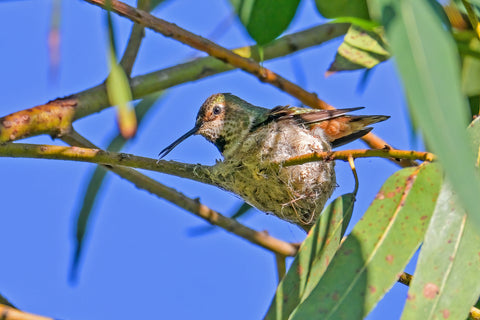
265 75
194 172
9 313
175 32
194 206
55 117
134 41
361 153
130 54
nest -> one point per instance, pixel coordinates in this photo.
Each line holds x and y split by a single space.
253 171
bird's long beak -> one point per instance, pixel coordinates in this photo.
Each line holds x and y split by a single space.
167 150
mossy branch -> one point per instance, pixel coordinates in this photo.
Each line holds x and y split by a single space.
194 206
197 172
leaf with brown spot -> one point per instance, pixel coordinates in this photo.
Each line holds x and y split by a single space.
389 258
446 314
447 265
430 290
350 275
360 49
313 257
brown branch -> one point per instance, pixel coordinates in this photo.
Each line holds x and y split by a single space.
361 153
198 173
265 75
9 313
173 31
405 278
194 172
194 206
52 118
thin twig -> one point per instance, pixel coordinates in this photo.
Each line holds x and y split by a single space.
194 206
130 55
134 41
355 175
361 153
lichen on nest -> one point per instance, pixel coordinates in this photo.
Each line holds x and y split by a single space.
296 193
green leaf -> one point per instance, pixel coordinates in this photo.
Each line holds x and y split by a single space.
471 70
368 25
343 8
265 20
360 49
313 257
95 182
428 63
474 2
371 258
471 76
118 87
474 132
442 286
466 42
120 95
474 102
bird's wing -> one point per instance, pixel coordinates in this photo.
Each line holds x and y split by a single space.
301 115
338 127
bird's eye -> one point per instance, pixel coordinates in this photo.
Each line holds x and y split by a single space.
216 110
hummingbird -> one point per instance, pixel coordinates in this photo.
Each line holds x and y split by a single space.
255 140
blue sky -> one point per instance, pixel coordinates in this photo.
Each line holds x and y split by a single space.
140 259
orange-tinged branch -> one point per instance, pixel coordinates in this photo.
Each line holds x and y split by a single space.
54 118
395 154
9 313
